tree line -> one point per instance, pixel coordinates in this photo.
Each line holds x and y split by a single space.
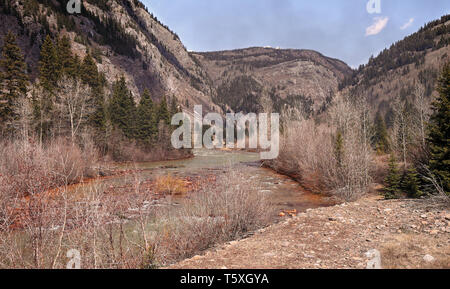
418 139
71 99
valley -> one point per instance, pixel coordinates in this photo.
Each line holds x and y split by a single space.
87 160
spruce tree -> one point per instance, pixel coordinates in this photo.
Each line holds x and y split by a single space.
147 128
49 67
13 77
65 57
89 72
173 107
163 112
392 189
381 139
339 149
122 108
91 76
411 185
439 131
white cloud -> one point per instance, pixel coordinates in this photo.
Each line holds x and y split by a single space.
378 25
407 24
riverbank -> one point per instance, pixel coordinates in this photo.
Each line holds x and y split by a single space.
407 233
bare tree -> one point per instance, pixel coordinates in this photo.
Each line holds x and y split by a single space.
422 106
401 127
73 104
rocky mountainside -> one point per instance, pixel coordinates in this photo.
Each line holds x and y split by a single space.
408 67
287 75
124 38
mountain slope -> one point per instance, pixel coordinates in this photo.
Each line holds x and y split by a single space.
122 35
298 75
410 64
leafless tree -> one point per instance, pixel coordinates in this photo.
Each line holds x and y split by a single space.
401 129
422 106
73 105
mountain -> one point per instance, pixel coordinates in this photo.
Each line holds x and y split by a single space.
124 38
398 71
287 75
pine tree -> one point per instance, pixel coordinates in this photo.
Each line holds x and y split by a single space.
411 184
439 131
122 108
163 112
89 72
392 189
13 77
173 107
91 76
381 139
339 149
147 128
65 57
49 67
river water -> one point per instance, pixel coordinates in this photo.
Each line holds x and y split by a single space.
284 193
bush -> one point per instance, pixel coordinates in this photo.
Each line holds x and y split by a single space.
29 169
217 214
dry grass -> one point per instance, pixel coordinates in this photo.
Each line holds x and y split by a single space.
169 185
407 251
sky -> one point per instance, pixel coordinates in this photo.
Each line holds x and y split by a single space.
350 30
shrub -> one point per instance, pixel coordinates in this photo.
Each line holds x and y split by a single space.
217 214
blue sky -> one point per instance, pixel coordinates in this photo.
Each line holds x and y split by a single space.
337 28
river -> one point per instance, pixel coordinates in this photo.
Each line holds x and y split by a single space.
284 193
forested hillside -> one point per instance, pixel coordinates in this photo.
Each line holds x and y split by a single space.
408 67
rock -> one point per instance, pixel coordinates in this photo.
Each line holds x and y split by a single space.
428 258
447 217
434 232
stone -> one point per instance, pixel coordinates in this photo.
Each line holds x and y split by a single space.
428 258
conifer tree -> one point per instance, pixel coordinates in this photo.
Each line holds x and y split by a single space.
439 131
411 184
163 112
392 189
147 127
122 108
48 65
89 71
66 60
381 141
91 76
13 77
339 149
173 107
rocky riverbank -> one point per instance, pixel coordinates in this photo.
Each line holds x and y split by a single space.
405 233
